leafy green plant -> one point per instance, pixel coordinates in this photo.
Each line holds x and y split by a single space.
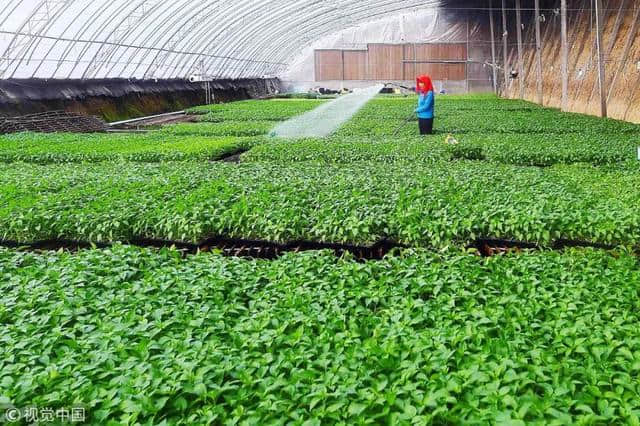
484 115
42 148
255 110
432 204
139 336
225 128
426 337
350 150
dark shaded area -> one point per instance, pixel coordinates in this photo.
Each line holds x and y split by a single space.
233 156
232 247
488 247
121 99
260 249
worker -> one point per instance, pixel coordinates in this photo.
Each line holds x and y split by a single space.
426 104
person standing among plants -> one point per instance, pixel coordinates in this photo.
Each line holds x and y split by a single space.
426 104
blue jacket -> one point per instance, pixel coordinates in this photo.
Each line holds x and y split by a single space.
426 105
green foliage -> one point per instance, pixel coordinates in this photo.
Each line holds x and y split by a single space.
309 95
147 337
225 128
436 205
546 150
444 337
261 110
462 115
522 150
57 148
466 152
351 150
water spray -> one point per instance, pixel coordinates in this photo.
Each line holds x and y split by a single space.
328 117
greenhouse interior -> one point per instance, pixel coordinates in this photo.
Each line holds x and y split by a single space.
320 212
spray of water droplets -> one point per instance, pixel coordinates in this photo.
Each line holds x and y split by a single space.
328 117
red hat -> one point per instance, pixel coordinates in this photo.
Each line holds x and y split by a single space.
426 82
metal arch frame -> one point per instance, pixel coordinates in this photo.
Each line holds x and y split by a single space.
197 39
239 39
156 30
418 5
62 59
78 35
26 46
162 17
97 63
86 28
225 45
200 54
225 35
241 43
55 43
284 40
186 23
168 15
36 42
367 17
284 37
243 40
10 11
64 4
108 21
193 40
288 38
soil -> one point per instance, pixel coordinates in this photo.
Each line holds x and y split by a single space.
232 247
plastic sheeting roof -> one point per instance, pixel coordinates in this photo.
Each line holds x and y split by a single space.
172 39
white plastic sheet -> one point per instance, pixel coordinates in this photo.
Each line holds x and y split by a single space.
172 39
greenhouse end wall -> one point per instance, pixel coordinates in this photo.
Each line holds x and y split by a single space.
120 99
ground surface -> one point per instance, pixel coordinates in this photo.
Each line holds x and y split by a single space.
432 334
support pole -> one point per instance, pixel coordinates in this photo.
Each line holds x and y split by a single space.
565 58
625 52
466 65
493 48
602 82
505 47
520 51
539 55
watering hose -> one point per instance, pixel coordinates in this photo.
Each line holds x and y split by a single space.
404 123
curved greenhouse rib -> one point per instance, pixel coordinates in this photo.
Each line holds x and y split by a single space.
309 32
277 20
171 39
222 36
285 54
167 18
188 23
41 17
79 34
119 35
82 12
208 34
